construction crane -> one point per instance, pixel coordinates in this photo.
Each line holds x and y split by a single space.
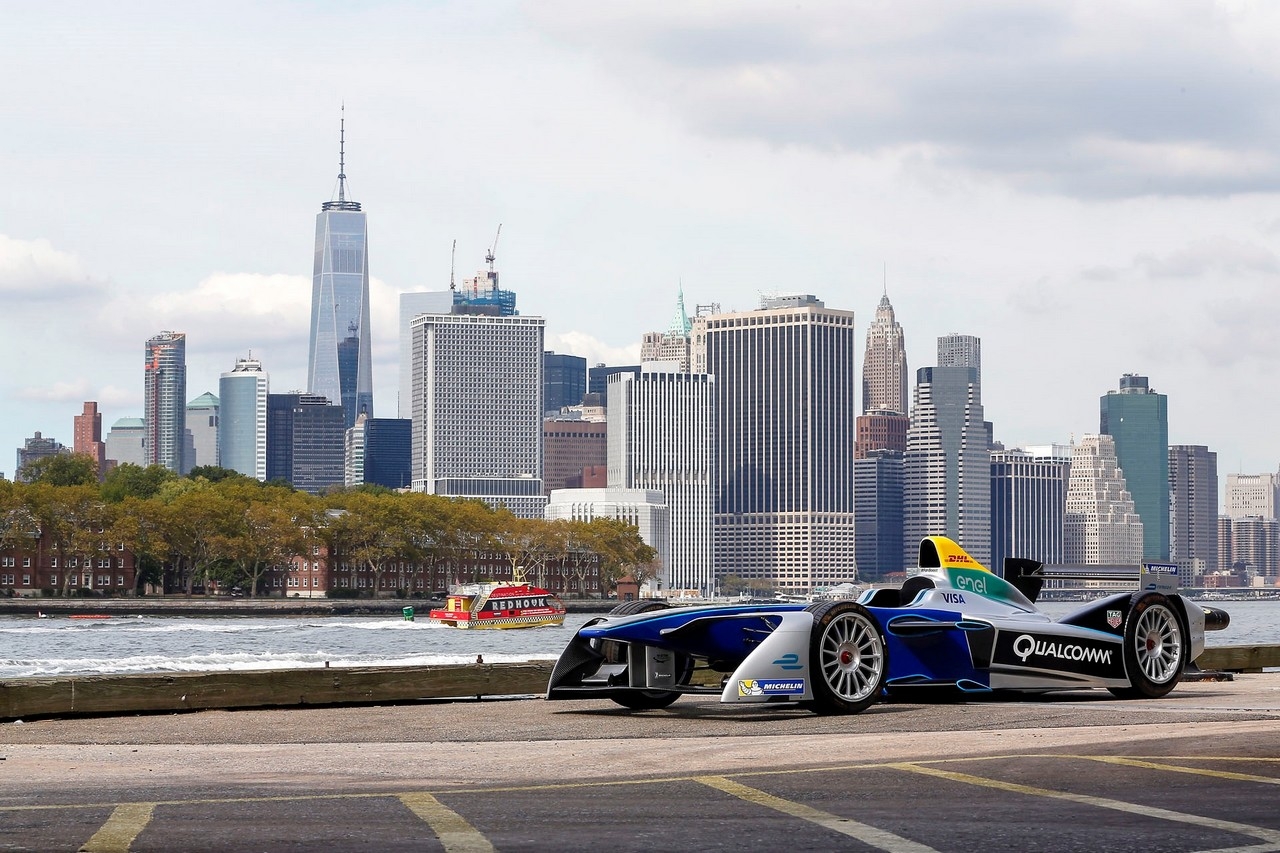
491 255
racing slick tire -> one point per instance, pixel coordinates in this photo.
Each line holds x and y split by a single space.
649 700
848 658
639 605
1155 648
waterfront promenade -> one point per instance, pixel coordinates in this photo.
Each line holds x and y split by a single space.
1197 770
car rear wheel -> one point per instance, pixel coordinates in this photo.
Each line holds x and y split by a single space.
645 700
1155 648
848 658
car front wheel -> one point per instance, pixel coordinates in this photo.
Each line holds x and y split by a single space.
848 658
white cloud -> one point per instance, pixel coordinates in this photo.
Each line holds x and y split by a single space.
57 392
1086 99
592 349
33 270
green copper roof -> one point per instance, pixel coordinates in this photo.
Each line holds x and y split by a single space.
204 401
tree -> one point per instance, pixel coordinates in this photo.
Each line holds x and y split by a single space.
468 529
622 551
19 528
62 469
216 474
580 557
139 525
372 531
527 544
76 521
129 480
271 529
195 526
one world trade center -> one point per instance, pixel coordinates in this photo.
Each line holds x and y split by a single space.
338 364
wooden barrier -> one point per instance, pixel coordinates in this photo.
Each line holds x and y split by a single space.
59 696
1239 658
126 694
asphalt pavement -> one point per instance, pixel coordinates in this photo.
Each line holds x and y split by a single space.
1197 770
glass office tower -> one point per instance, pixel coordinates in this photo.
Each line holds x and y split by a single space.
165 400
339 359
1138 418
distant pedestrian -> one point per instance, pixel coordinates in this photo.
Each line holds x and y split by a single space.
479 658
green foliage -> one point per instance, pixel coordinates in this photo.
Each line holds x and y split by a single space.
62 469
185 532
216 474
129 480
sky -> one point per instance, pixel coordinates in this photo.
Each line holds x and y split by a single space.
1091 188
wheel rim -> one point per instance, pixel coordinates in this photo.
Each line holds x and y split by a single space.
1158 642
852 657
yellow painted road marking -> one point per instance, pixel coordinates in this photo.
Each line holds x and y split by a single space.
451 828
878 838
597 783
1178 768
121 828
1269 835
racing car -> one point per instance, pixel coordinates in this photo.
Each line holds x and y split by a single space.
955 626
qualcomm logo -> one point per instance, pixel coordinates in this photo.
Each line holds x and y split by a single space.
1026 645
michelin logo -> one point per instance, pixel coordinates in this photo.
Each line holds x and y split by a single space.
1026 645
770 686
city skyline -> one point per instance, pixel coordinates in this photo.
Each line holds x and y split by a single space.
1110 208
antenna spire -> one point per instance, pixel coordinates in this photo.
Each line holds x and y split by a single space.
342 154
342 203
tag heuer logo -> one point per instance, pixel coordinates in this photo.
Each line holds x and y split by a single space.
1114 618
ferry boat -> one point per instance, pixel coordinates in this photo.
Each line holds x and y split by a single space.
499 604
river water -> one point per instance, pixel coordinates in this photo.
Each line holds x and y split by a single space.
58 645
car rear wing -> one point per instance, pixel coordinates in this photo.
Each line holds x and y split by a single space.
1028 576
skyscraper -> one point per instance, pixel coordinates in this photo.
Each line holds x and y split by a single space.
877 510
339 359
200 443
242 435
125 442
1193 510
1101 527
305 441
411 305
379 452
1255 550
1252 494
565 380
883 422
884 364
1138 419
672 345
1029 503
569 446
87 439
956 350
661 436
165 400
947 468
785 409
477 409
36 447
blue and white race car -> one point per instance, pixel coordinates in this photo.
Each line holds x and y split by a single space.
954 626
